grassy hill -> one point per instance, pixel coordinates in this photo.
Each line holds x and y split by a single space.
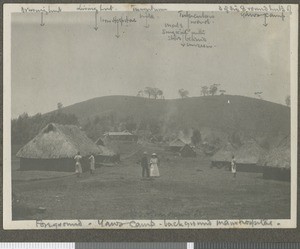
223 113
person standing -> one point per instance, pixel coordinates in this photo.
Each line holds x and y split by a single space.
144 165
154 162
92 164
233 167
78 168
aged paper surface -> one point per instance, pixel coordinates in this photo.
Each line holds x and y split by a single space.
121 116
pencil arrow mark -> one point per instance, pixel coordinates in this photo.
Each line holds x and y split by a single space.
265 23
117 35
147 25
182 43
42 19
96 20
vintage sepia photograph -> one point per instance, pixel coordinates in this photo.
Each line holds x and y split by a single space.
150 116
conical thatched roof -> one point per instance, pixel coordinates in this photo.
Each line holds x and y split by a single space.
177 143
279 157
224 154
99 141
59 141
249 153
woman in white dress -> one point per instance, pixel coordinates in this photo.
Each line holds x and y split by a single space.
154 172
233 167
78 169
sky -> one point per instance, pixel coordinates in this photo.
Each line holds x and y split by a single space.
67 61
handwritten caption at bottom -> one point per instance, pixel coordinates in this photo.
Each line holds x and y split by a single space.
154 224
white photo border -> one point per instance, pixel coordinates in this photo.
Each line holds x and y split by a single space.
10 224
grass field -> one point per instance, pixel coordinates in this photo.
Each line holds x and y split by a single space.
187 189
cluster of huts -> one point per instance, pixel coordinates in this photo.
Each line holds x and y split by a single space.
56 145
250 157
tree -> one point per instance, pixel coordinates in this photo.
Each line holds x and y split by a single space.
183 93
153 91
59 105
258 94
288 100
148 91
25 127
156 92
204 90
160 93
140 93
213 89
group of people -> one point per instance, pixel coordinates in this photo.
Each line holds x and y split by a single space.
150 167
78 168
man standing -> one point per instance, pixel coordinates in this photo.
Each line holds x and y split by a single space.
92 164
145 166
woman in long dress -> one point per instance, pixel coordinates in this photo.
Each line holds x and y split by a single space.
154 172
78 169
233 167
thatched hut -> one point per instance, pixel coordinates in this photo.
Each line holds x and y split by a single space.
187 151
176 145
247 157
107 155
277 163
54 149
223 157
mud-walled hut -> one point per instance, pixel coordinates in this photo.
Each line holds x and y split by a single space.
277 163
223 157
247 157
187 151
176 145
54 148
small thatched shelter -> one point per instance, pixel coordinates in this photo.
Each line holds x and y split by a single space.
187 151
107 155
247 157
277 163
54 149
176 145
223 157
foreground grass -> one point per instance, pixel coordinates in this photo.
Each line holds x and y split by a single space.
187 189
